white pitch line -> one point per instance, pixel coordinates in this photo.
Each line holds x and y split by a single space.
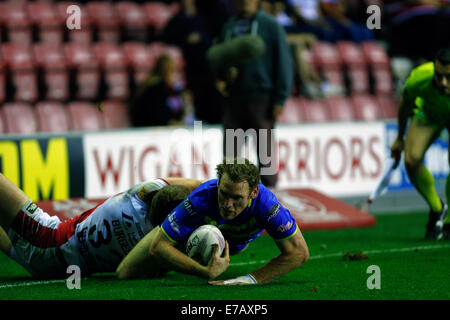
324 256
30 283
340 254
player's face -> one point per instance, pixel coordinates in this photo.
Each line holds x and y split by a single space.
246 7
233 197
442 77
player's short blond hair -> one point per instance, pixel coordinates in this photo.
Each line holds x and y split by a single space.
239 170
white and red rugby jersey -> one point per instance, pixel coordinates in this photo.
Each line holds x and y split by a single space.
101 237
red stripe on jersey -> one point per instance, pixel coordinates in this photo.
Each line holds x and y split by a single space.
45 237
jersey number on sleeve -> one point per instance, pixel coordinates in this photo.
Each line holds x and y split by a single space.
101 239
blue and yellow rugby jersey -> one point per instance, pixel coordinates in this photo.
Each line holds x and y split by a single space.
201 207
430 105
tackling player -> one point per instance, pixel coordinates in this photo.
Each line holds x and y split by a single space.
241 208
96 240
426 100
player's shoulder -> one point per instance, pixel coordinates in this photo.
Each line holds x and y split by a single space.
266 202
204 194
420 76
146 190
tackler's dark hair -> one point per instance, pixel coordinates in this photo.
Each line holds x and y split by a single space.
166 200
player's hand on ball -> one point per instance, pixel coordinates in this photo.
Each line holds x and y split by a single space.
217 265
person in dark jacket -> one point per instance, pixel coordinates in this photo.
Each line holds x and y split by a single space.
159 99
255 90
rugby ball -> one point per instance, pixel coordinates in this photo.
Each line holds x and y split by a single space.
200 243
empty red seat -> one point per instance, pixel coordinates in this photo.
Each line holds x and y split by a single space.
86 68
140 58
18 56
351 53
158 14
105 19
366 107
115 115
2 122
2 80
384 82
375 54
356 66
328 63
85 33
47 21
133 20
388 106
325 54
17 23
20 118
52 62
380 65
114 64
314 110
84 116
292 112
52 116
21 64
340 108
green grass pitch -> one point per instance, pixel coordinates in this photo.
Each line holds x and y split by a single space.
410 268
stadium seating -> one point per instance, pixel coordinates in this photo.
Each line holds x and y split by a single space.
46 20
52 63
380 66
339 108
356 66
388 106
2 80
114 66
292 112
158 14
52 117
21 64
84 116
2 122
314 110
140 58
133 20
20 118
17 24
366 107
105 20
85 33
115 115
328 63
63 73
85 69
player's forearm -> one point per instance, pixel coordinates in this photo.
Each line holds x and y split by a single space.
279 266
404 112
172 258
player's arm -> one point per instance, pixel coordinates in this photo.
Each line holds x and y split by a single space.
294 253
164 252
405 107
192 184
138 263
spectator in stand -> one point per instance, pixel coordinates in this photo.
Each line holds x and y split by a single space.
326 19
256 89
189 30
418 28
160 99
